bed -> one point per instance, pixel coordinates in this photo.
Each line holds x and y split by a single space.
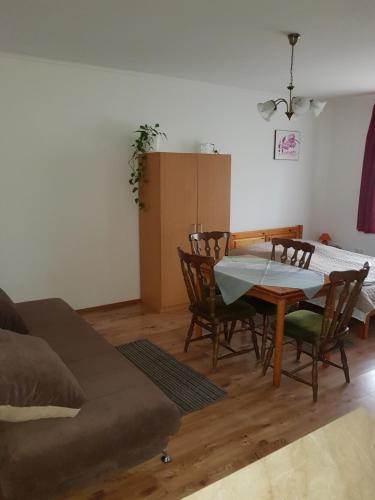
325 259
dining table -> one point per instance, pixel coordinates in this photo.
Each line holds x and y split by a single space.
278 283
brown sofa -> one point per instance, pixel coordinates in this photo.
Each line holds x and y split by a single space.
125 420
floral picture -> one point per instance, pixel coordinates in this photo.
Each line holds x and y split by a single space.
287 144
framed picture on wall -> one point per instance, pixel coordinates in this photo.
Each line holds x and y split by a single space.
287 145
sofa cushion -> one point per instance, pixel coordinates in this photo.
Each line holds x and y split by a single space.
9 317
34 382
65 331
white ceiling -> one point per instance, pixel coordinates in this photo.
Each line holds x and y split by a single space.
231 42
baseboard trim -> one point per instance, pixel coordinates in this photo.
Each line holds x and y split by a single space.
109 307
165 309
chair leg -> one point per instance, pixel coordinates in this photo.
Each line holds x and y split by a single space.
299 349
315 372
215 353
264 336
226 334
268 358
231 331
189 333
254 337
344 362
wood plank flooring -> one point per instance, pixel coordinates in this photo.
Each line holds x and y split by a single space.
252 421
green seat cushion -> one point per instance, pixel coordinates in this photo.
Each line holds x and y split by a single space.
303 325
264 307
238 310
261 306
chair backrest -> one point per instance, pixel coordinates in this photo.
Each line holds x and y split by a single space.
212 244
198 273
345 287
301 252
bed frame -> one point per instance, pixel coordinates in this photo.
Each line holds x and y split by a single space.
262 235
295 232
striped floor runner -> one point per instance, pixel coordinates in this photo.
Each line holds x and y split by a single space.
188 389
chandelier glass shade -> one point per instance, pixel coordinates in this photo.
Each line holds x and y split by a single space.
294 105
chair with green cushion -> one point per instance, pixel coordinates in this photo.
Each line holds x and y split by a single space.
301 256
209 310
324 332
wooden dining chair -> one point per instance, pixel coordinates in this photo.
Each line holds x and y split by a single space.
301 252
295 253
324 332
212 244
209 310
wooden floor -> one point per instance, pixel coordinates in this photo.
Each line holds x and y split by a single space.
252 421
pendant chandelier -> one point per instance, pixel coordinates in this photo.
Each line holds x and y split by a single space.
296 105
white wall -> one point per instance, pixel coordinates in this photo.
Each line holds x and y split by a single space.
68 224
337 174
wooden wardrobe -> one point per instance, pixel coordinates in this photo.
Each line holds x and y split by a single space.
182 193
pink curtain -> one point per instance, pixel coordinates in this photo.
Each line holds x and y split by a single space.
366 207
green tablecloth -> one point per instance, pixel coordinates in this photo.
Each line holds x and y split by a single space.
236 275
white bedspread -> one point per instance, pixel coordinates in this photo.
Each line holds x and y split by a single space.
326 259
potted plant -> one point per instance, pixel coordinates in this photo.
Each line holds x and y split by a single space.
147 140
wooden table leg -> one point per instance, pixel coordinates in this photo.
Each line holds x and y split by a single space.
364 327
279 335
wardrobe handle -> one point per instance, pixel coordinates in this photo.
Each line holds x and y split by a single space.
201 227
194 226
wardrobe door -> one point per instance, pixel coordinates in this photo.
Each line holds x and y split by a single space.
178 216
213 192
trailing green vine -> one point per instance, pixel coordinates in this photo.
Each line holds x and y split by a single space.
144 143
